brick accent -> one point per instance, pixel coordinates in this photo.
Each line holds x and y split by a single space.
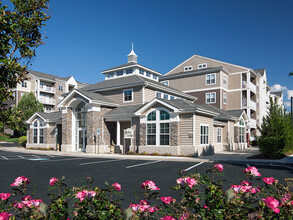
142 134
136 129
67 127
174 133
50 134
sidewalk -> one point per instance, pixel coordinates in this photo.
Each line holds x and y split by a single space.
238 156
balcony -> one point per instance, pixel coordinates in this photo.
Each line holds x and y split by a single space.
252 87
47 101
47 89
252 104
252 123
244 102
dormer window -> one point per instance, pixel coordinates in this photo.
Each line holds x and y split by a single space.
110 75
202 66
165 83
188 68
119 73
129 71
141 72
148 74
155 77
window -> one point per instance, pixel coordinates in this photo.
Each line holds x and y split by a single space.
119 73
165 83
155 77
110 75
188 68
60 88
201 66
129 71
210 98
225 79
158 128
241 131
219 135
127 95
24 84
225 98
38 132
172 97
158 94
141 72
204 134
148 74
42 85
210 79
166 96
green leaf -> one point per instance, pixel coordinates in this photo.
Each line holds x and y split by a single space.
230 194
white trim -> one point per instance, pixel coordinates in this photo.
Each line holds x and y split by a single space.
202 64
236 90
131 66
210 74
180 64
210 98
132 95
206 125
193 129
219 135
225 94
199 90
187 68
239 72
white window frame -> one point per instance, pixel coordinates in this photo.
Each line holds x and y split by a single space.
119 73
158 123
38 135
24 84
202 66
129 71
210 80
124 95
225 79
204 135
158 94
241 128
209 94
165 96
148 74
219 135
225 98
188 68
141 72
61 88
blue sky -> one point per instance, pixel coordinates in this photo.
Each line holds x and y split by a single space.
86 37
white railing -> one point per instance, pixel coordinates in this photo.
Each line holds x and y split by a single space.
252 123
252 87
47 101
252 104
47 89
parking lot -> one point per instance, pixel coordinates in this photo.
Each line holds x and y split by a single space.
130 173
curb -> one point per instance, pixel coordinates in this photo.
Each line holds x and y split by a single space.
256 162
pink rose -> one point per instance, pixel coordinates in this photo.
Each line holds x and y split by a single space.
153 209
91 194
134 207
52 181
206 207
184 216
4 196
285 199
168 217
20 181
117 186
27 198
166 200
187 180
272 203
246 183
269 180
149 185
254 190
252 171
81 195
240 188
219 167
4 216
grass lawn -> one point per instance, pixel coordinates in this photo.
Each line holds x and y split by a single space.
7 138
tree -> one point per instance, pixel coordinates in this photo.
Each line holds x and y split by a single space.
26 107
276 132
20 35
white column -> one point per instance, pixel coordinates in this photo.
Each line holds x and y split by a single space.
118 133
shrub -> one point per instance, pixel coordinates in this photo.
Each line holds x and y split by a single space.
203 197
155 154
270 147
22 140
130 153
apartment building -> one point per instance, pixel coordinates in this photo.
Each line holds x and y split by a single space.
47 88
277 97
133 111
223 85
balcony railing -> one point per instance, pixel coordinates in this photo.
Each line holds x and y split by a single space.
252 104
252 87
47 89
47 101
252 123
244 102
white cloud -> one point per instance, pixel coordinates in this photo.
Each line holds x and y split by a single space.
278 87
287 104
289 94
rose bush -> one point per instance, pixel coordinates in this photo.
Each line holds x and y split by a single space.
203 197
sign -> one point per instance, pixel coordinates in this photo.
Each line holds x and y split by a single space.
128 133
98 132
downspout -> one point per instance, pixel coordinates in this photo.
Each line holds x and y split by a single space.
103 134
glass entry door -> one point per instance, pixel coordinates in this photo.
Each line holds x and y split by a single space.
81 129
82 139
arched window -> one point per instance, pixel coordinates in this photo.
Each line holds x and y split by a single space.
38 131
241 131
158 128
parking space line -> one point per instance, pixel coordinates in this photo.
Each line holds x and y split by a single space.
5 158
36 156
79 158
143 164
21 157
189 168
104 161
49 155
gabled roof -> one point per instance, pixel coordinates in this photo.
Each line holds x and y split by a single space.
48 76
133 80
235 113
277 93
193 73
47 117
260 71
90 96
124 110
